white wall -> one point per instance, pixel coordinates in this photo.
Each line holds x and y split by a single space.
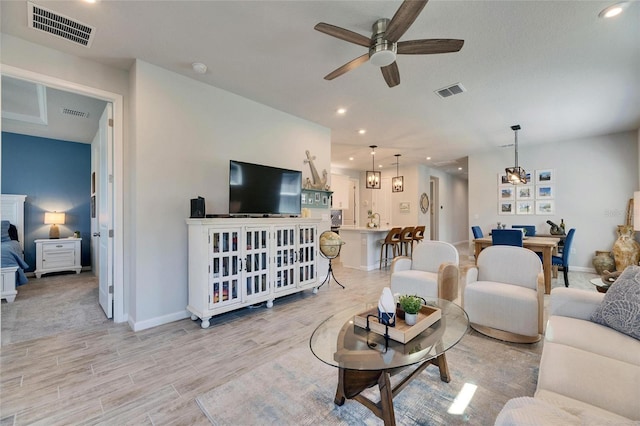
595 178
184 136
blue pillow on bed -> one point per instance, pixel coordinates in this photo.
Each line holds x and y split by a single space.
5 231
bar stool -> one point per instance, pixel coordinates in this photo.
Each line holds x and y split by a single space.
391 240
418 234
406 240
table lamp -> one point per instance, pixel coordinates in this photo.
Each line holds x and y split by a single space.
54 219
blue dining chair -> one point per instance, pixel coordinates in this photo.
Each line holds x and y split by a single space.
477 232
506 237
530 229
563 260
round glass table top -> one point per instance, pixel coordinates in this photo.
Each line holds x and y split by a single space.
337 341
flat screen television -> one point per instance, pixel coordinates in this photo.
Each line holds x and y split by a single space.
256 189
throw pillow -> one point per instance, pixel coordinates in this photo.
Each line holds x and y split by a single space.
620 308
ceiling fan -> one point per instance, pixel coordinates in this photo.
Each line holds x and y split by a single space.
384 45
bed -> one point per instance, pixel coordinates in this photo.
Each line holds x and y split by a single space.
13 264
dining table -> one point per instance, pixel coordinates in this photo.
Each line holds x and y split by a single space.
547 246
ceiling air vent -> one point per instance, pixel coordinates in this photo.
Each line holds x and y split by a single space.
454 89
46 20
75 113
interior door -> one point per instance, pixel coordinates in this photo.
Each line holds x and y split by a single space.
104 207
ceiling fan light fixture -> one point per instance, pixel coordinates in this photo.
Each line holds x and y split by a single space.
383 54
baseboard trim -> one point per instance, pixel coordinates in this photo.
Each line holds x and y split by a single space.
154 322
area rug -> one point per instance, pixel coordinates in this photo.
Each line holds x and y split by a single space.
298 389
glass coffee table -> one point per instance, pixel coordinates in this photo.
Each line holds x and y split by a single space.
365 358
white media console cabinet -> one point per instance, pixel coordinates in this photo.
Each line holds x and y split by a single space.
237 262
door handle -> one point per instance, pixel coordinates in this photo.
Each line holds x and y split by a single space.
96 234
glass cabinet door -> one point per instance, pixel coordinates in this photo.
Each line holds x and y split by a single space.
284 245
307 254
256 264
224 269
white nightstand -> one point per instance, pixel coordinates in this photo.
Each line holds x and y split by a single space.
58 255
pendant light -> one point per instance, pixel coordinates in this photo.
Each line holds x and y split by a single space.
516 174
373 177
397 184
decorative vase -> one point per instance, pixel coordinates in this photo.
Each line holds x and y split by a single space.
410 319
626 251
602 261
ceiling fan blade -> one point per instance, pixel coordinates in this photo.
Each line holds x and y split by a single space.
404 17
348 67
343 34
391 74
425 47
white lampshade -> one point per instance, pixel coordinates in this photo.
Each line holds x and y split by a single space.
636 210
53 218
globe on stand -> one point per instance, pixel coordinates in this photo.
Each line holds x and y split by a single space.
330 245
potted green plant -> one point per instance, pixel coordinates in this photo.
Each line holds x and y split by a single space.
411 306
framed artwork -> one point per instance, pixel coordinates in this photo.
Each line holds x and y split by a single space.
524 192
525 207
545 192
545 176
502 179
545 207
506 207
405 207
506 193
93 206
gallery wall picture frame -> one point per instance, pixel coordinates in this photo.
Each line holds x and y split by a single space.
545 207
405 207
506 207
525 207
545 192
506 193
502 179
524 192
545 176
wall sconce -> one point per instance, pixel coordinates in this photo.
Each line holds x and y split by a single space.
516 174
373 177
54 219
397 183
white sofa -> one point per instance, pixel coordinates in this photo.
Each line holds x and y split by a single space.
589 373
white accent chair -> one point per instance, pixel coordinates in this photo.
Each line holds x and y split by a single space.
504 294
432 271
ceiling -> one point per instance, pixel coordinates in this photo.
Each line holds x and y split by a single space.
553 67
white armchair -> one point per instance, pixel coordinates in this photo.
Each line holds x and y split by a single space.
504 294
432 271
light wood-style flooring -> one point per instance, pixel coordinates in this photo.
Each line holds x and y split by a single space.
104 373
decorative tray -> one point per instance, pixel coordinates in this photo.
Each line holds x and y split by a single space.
402 332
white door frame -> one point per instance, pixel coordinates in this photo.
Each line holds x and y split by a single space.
119 314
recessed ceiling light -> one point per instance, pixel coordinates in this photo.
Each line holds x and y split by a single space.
379 166
362 131
428 158
459 168
90 1
199 67
350 158
613 10
341 111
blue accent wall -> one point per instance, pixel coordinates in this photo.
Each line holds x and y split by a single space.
55 175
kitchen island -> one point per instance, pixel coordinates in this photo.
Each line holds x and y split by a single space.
362 247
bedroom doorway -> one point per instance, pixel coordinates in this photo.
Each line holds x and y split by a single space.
113 284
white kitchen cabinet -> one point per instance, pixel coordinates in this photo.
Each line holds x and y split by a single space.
237 262
340 187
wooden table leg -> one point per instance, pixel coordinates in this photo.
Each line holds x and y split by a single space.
478 248
546 267
386 400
